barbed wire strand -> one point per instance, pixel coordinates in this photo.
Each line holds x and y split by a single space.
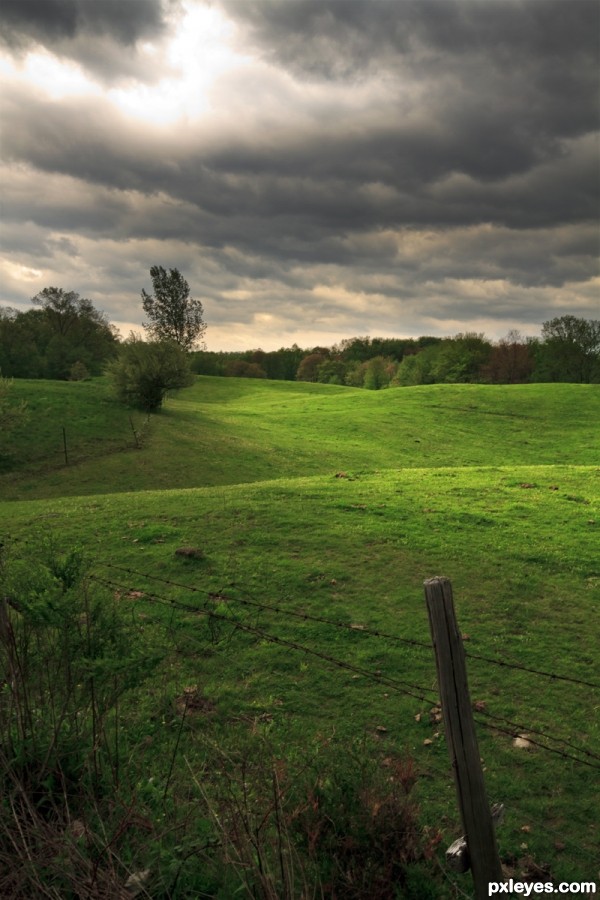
555 750
373 676
396 684
520 728
554 676
363 629
379 678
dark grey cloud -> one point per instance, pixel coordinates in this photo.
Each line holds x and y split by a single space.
348 180
502 81
348 37
94 33
49 21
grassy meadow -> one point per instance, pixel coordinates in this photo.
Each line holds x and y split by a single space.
304 503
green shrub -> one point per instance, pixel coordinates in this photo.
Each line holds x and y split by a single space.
79 372
70 658
144 373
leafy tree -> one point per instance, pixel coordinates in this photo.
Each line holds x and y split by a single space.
378 373
241 368
460 359
283 363
174 315
279 364
418 367
19 353
332 371
79 332
450 360
355 374
362 349
570 350
511 360
309 367
144 373
356 349
46 342
64 308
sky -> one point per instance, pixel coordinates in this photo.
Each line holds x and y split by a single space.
316 169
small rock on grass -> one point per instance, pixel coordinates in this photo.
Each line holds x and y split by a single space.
190 552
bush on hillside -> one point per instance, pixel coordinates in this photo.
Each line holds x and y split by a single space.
144 373
79 372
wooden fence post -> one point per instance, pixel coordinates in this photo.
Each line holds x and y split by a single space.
460 736
135 434
65 446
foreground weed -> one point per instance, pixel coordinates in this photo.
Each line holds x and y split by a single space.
70 659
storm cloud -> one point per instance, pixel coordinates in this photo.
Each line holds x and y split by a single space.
316 170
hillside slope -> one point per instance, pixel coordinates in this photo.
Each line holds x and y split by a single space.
229 431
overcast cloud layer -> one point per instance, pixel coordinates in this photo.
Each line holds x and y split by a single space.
317 169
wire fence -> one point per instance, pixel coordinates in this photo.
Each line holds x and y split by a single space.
514 729
505 664
542 738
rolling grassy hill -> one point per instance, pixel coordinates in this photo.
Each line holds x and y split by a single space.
336 504
231 431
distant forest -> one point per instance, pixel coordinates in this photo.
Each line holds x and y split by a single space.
72 340
568 350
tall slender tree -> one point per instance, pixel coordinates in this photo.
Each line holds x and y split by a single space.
173 314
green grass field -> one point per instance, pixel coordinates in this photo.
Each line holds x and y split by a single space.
338 503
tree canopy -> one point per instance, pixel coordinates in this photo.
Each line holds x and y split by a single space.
174 315
571 349
64 332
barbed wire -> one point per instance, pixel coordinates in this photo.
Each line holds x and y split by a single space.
584 762
519 727
308 617
516 728
378 677
554 676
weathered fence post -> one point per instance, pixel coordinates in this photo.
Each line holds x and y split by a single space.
460 736
135 434
65 446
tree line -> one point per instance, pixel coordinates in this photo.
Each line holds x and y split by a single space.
568 350
65 337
